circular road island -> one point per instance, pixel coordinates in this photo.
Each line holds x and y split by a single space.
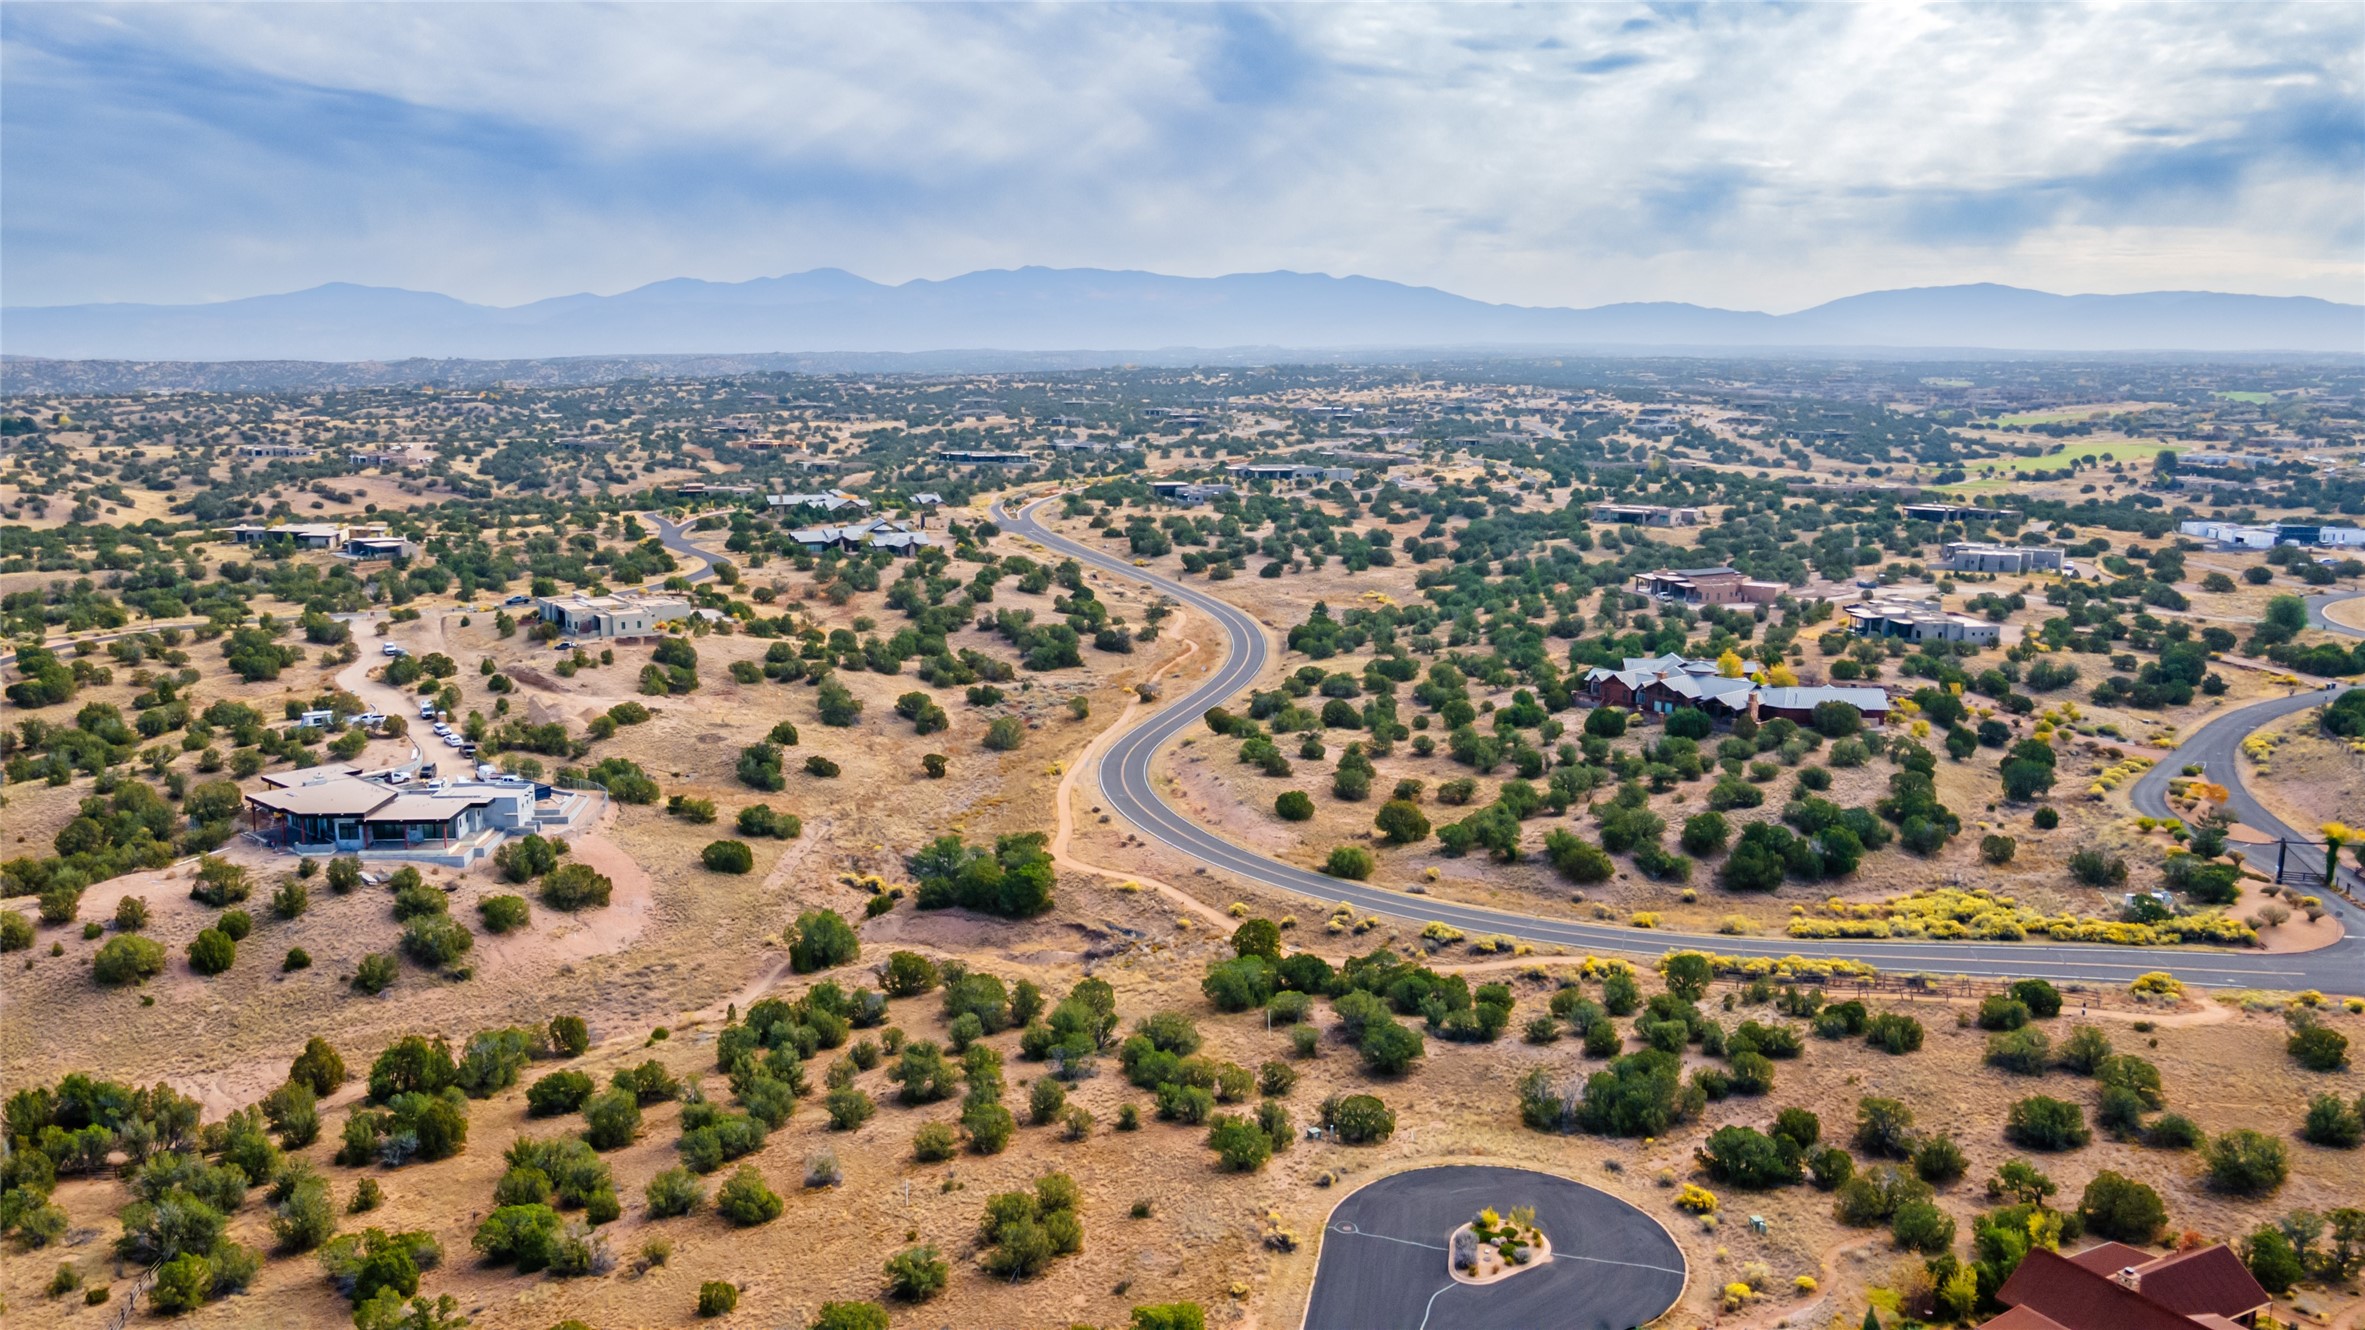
1385 1262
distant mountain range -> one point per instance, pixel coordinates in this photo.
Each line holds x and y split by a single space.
1046 310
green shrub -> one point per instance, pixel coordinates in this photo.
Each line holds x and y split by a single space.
1359 1119
211 952
612 1119
716 1298
2040 1122
1292 806
2245 1162
128 958
821 940
1349 861
727 856
2319 1047
674 1192
917 1274
2332 1121
575 887
504 914
745 1201
850 1316
2121 1209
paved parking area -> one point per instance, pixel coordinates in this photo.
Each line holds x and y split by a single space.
1383 1264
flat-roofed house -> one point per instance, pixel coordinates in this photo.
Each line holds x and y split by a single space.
304 535
620 618
1707 586
1799 703
1189 493
1291 473
983 457
347 814
378 547
1956 512
1645 514
1969 556
1920 621
827 501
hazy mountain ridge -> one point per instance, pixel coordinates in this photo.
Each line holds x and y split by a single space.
1047 310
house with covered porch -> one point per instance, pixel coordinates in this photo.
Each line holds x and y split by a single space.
342 813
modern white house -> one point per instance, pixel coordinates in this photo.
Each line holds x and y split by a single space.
1920 621
618 618
1965 556
338 810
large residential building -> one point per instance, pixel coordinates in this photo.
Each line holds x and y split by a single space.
2238 536
1799 703
1956 512
1658 685
369 546
1707 586
1289 473
1645 514
1189 493
304 535
618 618
982 457
877 533
454 823
828 501
1965 556
2118 1287
1920 621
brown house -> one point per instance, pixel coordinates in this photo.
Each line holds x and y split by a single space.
2118 1287
1707 586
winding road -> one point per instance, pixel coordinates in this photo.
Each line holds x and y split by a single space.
1130 790
2318 604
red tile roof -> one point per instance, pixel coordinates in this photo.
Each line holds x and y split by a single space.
2021 1318
2205 1279
2048 1283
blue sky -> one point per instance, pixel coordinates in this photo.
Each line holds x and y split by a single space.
1742 155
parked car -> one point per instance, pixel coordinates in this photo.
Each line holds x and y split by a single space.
392 650
519 600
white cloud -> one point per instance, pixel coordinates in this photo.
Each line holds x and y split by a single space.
1736 155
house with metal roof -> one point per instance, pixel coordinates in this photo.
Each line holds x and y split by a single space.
2117 1287
1920 621
1707 586
455 823
877 533
828 501
621 617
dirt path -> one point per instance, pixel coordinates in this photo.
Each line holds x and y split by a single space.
770 977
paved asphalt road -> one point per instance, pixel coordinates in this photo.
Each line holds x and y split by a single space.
672 536
1129 790
2316 607
1384 1257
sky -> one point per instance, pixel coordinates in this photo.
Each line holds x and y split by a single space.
1747 156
